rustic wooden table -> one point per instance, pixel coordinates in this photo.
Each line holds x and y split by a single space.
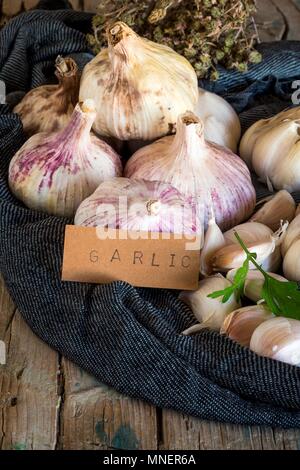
46 402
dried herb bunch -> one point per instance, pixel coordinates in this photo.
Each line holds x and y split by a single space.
206 32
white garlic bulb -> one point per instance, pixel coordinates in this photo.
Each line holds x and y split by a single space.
272 148
221 123
240 324
278 338
213 177
292 233
254 283
279 207
55 172
258 238
209 312
148 206
139 87
48 108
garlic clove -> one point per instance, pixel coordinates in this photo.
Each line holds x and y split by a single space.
291 261
240 324
128 82
292 234
254 283
250 138
210 312
55 172
278 338
48 108
221 123
138 205
233 256
213 241
280 207
250 232
211 176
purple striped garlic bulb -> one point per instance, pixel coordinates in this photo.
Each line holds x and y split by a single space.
55 172
211 176
134 205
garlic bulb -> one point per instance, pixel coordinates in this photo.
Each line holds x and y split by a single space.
254 283
240 324
290 251
55 172
279 207
209 312
48 108
221 123
138 206
272 148
140 87
278 338
211 176
213 241
258 238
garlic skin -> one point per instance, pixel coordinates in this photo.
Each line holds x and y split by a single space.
272 148
139 87
214 178
148 206
213 241
278 338
48 108
279 207
291 262
240 324
221 123
259 239
209 312
254 283
55 172
290 251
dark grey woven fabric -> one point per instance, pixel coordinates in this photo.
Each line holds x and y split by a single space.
130 338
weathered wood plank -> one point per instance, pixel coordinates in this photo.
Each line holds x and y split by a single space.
91 5
11 8
186 433
270 21
95 416
28 384
292 18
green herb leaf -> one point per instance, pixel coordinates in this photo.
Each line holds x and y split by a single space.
282 298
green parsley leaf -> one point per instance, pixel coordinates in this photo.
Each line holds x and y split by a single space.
282 298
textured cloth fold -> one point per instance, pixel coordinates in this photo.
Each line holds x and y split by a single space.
130 338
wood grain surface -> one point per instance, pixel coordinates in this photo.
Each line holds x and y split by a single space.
46 402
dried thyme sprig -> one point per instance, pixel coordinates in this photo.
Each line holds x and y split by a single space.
206 32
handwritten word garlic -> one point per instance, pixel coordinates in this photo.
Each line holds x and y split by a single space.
55 172
139 87
209 312
278 338
259 239
135 205
254 283
279 207
272 148
48 108
221 123
213 177
240 324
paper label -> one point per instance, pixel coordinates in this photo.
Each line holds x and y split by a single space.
139 258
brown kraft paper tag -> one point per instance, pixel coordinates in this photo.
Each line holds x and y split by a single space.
142 259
